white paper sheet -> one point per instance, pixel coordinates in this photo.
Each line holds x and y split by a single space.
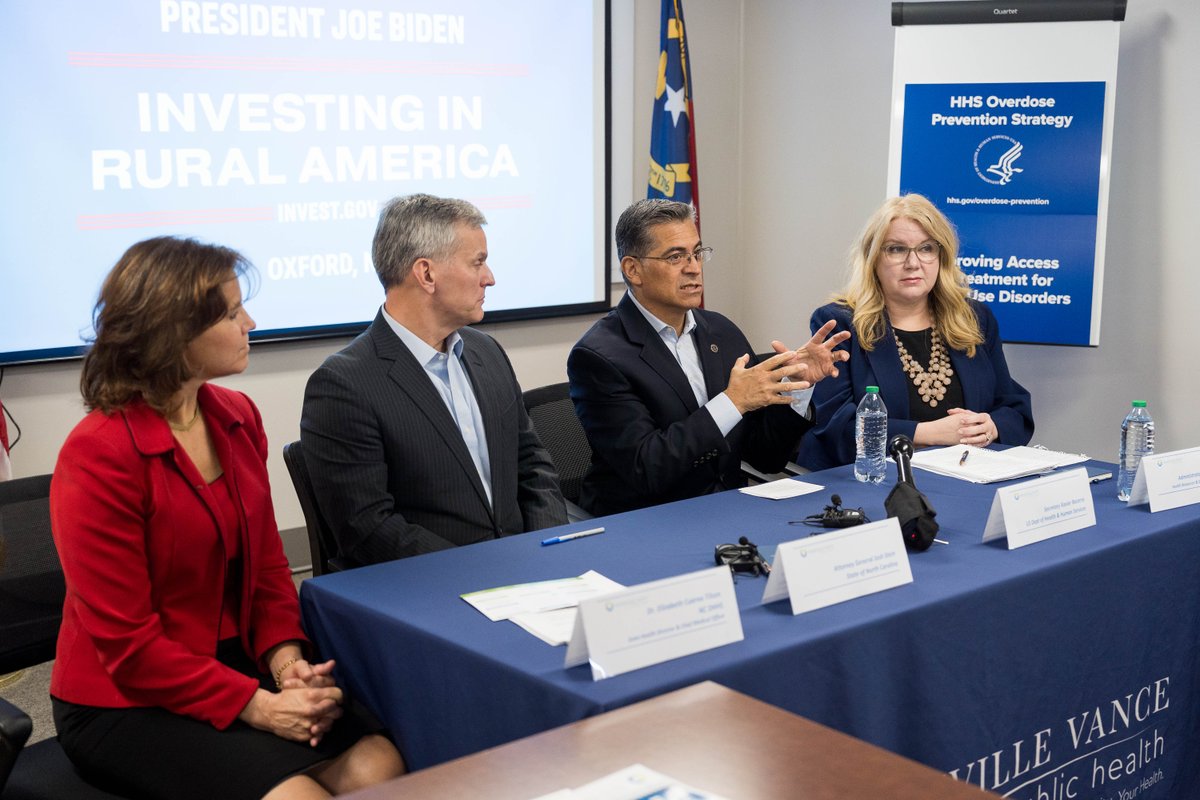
503 602
781 489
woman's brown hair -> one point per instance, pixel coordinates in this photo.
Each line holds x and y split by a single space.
162 294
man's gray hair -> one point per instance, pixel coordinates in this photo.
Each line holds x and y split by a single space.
633 227
417 226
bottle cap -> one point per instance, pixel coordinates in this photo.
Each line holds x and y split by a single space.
1136 403
875 390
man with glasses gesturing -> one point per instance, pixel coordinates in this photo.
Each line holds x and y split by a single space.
670 395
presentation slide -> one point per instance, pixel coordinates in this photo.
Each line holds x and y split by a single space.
280 129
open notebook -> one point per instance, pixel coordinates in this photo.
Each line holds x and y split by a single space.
989 466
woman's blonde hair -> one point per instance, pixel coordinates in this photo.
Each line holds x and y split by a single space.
952 314
161 294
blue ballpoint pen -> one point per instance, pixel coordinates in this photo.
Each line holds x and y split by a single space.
566 537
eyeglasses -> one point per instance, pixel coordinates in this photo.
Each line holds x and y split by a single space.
927 252
702 255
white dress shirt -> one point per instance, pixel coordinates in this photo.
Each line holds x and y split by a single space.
683 347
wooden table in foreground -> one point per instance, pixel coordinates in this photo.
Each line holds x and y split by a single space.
709 737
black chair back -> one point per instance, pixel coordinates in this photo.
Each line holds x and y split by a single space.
31 578
31 600
321 543
562 435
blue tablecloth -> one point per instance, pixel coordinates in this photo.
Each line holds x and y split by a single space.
1060 670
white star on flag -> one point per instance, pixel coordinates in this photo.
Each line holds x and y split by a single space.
676 104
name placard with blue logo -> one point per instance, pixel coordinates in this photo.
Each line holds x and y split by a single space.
1041 509
1016 167
1167 480
655 622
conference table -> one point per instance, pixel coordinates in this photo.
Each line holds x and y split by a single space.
715 740
1065 669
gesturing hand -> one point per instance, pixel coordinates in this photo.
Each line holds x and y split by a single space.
818 357
762 385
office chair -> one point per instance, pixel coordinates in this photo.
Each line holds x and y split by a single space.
321 543
562 435
31 598
31 580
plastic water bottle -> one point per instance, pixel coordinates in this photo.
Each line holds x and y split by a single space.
1137 440
870 438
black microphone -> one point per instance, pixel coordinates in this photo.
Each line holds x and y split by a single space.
911 508
834 516
900 449
742 557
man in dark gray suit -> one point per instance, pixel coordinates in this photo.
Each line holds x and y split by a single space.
415 434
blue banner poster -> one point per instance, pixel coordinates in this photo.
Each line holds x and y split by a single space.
1016 167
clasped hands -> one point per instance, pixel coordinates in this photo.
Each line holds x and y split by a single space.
762 385
305 707
959 426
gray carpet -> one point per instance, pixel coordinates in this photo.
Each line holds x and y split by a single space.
31 694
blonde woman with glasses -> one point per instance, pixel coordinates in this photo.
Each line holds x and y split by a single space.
934 353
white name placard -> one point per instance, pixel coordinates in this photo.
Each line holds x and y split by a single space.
1167 480
819 571
1041 509
655 622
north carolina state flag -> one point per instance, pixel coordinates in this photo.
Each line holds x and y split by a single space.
673 172
5 465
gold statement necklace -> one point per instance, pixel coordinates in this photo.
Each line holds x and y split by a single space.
931 381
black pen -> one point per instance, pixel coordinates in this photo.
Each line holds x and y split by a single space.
963 460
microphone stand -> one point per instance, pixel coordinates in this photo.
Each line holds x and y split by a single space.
916 516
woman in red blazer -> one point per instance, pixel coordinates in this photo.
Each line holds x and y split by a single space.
182 668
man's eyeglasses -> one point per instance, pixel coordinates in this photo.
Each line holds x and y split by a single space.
927 252
702 255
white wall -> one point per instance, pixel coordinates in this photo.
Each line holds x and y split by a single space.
792 113
816 88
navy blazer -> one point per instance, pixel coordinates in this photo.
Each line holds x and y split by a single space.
986 383
391 473
650 441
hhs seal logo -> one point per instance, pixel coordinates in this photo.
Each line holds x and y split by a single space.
998 154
